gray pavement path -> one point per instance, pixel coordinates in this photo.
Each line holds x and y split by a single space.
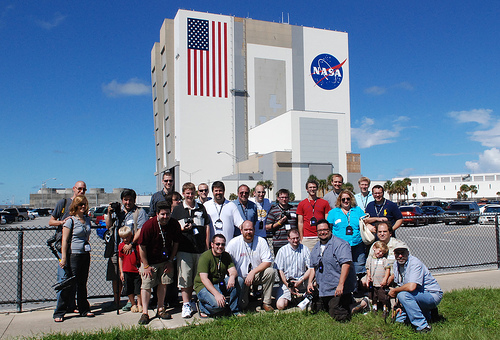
34 323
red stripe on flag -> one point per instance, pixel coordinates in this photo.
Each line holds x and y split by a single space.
189 72
225 59
213 58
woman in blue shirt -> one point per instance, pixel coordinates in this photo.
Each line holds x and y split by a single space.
345 221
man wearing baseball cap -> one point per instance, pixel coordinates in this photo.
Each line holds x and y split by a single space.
417 290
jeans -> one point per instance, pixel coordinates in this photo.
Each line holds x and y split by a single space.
79 265
208 304
359 258
61 276
416 307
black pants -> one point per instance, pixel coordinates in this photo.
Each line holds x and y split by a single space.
79 265
339 307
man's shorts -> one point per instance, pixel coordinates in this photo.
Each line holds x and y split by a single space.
111 272
132 284
158 276
284 293
187 264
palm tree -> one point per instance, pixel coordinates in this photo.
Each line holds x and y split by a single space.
348 186
414 195
398 188
388 187
406 182
423 194
473 190
464 188
322 187
268 186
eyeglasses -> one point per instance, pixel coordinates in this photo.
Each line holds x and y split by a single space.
244 193
284 197
220 244
81 189
322 230
346 199
168 180
82 205
203 190
260 192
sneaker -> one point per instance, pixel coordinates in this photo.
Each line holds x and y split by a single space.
186 310
368 308
361 307
144 320
163 314
424 330
193 306
127 307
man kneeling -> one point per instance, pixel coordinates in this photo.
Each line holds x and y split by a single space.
211 283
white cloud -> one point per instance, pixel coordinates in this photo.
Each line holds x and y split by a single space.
50 24
132 87
405 172
489 161
376 90
367 136
404 85
480 116
489 138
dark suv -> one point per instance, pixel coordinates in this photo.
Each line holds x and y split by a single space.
462 212
21 214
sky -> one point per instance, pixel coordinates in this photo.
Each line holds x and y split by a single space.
75 94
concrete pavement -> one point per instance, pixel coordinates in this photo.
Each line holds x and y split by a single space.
40 321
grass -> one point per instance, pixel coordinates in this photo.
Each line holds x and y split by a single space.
468 313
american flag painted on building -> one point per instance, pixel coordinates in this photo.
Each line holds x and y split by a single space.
207 58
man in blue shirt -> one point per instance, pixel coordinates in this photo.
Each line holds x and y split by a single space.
247 208
382 210
417 290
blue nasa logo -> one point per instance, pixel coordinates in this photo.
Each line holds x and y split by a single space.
326 71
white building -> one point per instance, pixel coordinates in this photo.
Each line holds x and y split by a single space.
243 100
446 186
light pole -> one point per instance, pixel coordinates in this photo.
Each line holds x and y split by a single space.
237 166
44 185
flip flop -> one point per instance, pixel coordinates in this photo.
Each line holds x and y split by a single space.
58 319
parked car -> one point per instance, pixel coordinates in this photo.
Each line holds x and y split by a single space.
434 214
489 213
3 220
42 211
9 217
462 212
32 214
438 203
412 214
98 211
100 217
20 214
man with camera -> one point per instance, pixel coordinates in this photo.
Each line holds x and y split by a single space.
281 218
335 277
309 212
217 280
120 215
194 240
158 241
159 196
253 261
293 263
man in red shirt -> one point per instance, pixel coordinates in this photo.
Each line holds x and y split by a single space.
309 212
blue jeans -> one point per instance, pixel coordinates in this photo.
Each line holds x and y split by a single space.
417 307
359 258
208 304
61 276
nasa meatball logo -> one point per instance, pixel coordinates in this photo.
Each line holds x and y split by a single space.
326 71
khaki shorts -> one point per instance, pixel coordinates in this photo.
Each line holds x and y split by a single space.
310 241
158 276
187 264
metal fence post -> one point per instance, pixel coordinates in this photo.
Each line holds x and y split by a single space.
497 236
20 242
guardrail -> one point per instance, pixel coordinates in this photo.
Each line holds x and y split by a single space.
29 268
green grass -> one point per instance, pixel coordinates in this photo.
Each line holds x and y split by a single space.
468 313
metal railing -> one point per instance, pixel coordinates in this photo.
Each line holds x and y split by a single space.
29 268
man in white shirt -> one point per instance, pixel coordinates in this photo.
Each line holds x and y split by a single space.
364 196
263 207
224 215
293 263
252 259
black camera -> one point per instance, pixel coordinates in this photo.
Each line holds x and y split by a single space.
189 220
286 214
290 283
115 207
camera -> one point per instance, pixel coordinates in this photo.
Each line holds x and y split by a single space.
189 220
115 207
290 283
286 214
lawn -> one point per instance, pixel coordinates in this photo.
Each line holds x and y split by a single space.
468 314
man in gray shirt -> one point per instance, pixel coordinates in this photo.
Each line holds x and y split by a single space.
337 182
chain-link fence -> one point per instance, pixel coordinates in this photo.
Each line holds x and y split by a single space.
28 266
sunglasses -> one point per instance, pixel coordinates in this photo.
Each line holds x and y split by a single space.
220 244
168 181
203 190
346 199
244 193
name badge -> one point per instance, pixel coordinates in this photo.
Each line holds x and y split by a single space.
87 247
218 224
288 227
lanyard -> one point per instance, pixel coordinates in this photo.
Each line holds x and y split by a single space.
312 205
348 215
219 211
382 208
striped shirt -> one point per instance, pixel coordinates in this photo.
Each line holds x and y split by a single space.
293 262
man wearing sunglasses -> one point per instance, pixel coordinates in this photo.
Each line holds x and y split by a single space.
168 188
332 262
417 291
217 279
203 194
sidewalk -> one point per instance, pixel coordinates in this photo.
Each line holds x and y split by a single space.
40 321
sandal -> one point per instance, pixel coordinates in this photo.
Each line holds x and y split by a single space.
88 315
163 314
58 319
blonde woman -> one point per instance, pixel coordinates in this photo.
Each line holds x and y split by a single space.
345 220
75 255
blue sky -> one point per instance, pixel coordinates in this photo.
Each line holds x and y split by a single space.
75 96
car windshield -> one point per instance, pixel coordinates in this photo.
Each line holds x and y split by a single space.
429 209
492 210
406 209
460 207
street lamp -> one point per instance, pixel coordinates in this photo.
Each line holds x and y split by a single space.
44 185
237 166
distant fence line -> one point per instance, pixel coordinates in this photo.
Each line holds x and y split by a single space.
28 266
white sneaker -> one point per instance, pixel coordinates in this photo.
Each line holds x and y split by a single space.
186 311
193 306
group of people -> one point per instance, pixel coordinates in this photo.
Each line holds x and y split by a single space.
218 249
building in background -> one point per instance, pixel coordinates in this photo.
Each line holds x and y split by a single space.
245 100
